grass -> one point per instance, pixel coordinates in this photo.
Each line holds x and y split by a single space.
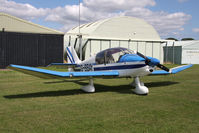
32 105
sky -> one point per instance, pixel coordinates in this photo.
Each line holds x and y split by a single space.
171 18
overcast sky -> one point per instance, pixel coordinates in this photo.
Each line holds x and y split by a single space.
171 18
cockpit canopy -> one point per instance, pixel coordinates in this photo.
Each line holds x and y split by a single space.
112 55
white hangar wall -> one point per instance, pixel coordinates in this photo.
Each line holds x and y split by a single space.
149 48
123 31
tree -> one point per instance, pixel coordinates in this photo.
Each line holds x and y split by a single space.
171 38
187 39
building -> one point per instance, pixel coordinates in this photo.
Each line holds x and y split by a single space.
128 32
26 43
182 52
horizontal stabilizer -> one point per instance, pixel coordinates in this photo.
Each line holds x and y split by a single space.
48 74
62 64
172 71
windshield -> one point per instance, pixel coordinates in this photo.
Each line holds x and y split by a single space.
112 55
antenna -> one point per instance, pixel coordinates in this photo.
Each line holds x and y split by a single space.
80 36
79 17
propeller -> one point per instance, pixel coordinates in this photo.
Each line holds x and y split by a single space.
147 60
163 67
152 62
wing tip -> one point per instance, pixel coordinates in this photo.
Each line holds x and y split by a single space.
180 68
172 70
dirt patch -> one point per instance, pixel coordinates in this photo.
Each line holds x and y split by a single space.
5 70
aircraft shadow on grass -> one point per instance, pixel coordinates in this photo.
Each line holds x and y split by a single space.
124 89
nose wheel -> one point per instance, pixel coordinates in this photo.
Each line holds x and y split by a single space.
140 89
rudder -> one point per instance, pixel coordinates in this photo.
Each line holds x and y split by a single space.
72 55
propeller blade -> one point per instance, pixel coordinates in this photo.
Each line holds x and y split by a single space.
141 55
163 67
147 60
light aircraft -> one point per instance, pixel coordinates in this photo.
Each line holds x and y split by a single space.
110 63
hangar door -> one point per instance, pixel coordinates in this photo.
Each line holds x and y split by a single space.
30 49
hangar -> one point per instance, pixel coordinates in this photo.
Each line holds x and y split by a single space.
26 43
123 31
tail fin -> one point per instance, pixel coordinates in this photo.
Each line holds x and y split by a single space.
72 55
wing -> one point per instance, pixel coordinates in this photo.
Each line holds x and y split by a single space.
172 71
49 74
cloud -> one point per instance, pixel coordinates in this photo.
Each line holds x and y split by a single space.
68 16
25 11
92 10
165 23
196 30
182 1
116 5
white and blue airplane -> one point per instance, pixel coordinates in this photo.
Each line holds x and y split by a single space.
110 63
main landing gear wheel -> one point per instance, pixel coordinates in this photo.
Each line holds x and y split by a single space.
140 89
90 87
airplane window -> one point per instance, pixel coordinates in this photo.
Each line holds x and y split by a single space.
112 55
109 58
100 58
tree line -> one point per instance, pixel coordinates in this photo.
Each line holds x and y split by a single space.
183 39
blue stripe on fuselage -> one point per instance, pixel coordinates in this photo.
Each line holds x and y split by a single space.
119 67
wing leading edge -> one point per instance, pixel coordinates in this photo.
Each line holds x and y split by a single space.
172 71
48 74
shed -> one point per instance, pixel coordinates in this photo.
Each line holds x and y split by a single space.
182 52
26 43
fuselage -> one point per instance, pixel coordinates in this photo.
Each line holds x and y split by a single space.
128 64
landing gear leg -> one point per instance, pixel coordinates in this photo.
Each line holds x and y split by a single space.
90 87
139 87
134 84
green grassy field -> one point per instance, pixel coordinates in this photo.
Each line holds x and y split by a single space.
32 105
